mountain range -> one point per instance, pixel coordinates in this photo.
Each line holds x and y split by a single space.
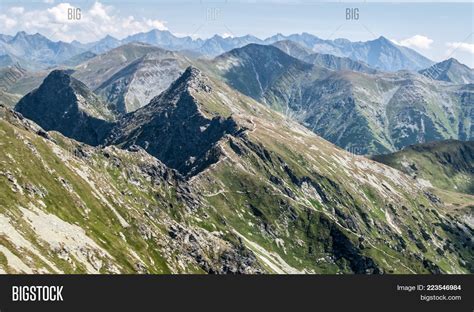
323 60
204 179
366 113
361 109
160 154
36 51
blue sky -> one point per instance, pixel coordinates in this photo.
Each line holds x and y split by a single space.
437 30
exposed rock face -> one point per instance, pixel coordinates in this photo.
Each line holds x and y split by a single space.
173 128
65 104
136 84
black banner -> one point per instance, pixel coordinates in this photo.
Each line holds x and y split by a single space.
248 293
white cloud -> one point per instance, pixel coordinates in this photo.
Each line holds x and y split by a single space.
156 24
99 11
59 13
16 10
460 46
97 21
417 41
48 1
6 22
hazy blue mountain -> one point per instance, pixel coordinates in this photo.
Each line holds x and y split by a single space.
450 70
323 60
37 50
105 44
380 53
218 45
7 60
5 38
79 58
383 54
307 40
165 40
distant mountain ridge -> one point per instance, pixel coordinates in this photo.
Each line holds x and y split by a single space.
324 60
36 51
344 101
450 70
380 53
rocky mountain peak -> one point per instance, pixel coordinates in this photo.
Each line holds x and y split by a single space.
65 104
192 72
20 34
60 78
450 70
61 82
194 79
174 128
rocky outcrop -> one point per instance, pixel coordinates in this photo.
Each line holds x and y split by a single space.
63 103
173 128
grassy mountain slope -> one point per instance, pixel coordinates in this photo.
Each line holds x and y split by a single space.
66 207
447 165
102 67
366 113
276 196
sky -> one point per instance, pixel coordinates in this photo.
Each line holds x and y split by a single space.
438 30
